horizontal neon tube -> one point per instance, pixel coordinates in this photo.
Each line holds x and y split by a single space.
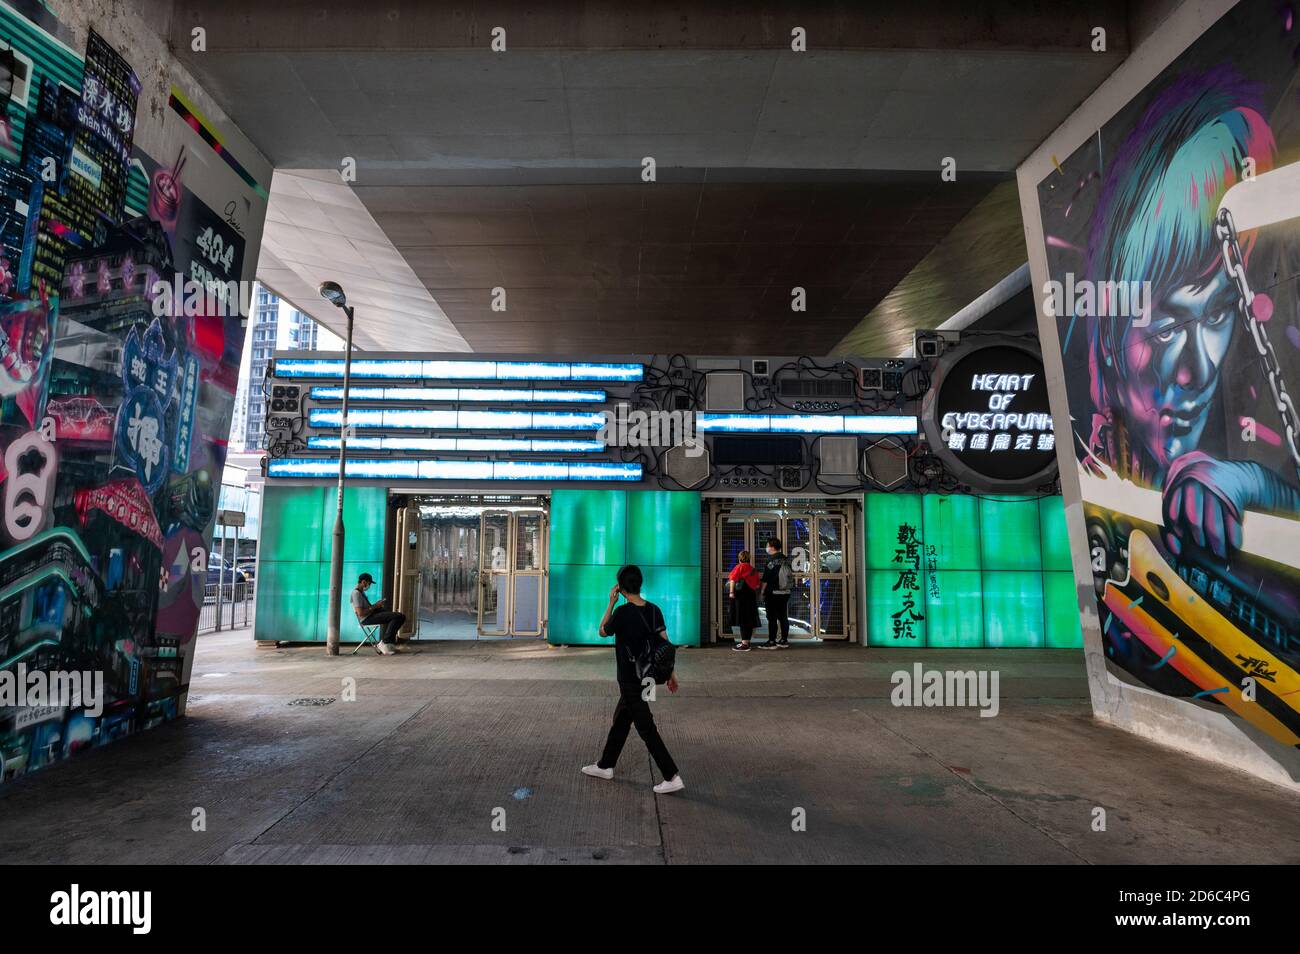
880 424
456 469
420 418
496 395
462 370
805 423
732 422
540 446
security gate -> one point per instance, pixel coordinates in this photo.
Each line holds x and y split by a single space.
512 562
817 538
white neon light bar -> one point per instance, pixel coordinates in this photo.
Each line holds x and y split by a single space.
880 424
805 423
303 467
539 446
460 370
420 418
464 395
808 423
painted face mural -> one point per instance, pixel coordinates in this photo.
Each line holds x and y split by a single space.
1173 367
1188 462
113 417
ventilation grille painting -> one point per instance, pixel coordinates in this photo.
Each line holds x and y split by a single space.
724 391
792 387
838 456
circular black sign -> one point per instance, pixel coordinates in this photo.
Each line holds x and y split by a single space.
992 414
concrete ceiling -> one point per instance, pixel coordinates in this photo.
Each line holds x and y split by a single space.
318 230
522 169
692 266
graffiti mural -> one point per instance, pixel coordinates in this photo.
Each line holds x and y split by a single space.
114 410
1173 243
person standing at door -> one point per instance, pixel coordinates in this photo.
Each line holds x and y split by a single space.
634 625
778 580
374 614
742 588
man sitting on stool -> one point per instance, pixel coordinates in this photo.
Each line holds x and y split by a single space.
373 614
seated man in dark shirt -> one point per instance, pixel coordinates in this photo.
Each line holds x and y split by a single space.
370 614
632 625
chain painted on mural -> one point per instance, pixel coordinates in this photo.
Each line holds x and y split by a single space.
1236 268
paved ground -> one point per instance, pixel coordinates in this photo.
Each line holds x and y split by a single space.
439 741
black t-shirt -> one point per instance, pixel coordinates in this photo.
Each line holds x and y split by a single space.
631 626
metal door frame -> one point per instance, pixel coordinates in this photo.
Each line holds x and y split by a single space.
488 573
843 510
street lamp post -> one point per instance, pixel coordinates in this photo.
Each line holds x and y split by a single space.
331 291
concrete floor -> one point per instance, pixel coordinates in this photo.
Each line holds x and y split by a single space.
438 740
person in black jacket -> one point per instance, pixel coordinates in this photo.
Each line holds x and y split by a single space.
633 625
775 593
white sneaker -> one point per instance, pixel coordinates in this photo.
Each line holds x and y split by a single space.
386 650
595 771
674 784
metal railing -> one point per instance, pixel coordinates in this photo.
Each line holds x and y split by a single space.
231 608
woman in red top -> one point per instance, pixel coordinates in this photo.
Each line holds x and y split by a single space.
742 587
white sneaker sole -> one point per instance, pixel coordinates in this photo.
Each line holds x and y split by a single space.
586 770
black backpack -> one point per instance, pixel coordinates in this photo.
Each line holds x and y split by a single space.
658 657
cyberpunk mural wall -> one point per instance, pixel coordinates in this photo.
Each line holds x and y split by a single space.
114 401
1173 243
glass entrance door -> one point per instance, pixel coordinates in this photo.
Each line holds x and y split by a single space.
512 569
820 599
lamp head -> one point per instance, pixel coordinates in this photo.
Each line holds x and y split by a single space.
333 292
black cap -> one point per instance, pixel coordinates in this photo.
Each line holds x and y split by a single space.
365 578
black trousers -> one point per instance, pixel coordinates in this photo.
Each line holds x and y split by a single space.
633 710
778 616
394 621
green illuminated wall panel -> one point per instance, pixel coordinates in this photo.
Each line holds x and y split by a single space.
955 616
292 518
676 590
663 528
994 571
1061 610
577 596
952 527
882 604
594 532
287 603
589 527
1013 609
294 559
1056 543
1010 534
363 527
885 513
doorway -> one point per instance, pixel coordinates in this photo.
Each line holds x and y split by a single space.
479 567
817 536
